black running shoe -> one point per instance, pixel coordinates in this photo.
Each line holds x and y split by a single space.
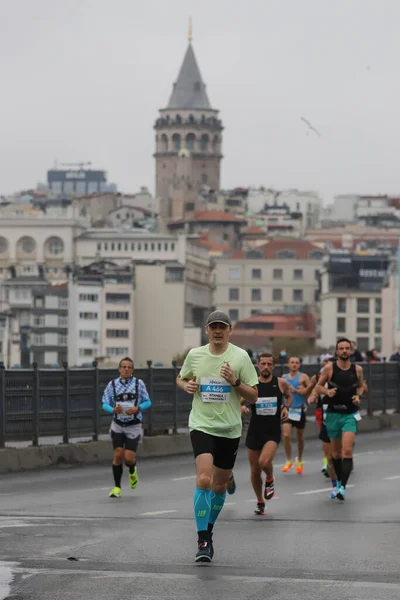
269 491
260 510
205 551
231 489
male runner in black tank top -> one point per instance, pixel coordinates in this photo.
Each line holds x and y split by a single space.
345 387
264 432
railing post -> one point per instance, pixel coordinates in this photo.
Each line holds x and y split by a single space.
150 390
66 434
36 405
176 398
369 403
384 385
2 405
96 414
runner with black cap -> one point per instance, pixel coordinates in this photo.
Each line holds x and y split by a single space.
217 375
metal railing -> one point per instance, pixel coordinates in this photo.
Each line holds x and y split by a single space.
66 402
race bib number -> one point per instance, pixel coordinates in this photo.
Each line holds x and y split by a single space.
214 389
125 405
295 414
357 416
266 407
324 411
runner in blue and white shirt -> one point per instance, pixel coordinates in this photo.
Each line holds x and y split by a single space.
125 398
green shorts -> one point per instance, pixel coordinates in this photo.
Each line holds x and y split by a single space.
337 423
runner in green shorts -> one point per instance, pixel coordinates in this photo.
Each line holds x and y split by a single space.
345 386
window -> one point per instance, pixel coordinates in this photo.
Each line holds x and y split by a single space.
62 321
86 352
152 246
112 246
298 274
204 178
378 344
286 254
117 315
39 302
234 314
173 275
363 305
166 246
341 305
38 339
88 316
55 246
234 273
105 246
277 295
126 247
63 303
256 273
159 246
38 321
316 274
316 255
98 246
87 334
132 246
378 325
119 247
340 324
362 344
277 274
118 298
297 295
25 318
362 325
62 340
255 312
146 246
117 351
3 245
88 297
117 333
378 306
172 246
225 237
256 295
233 293
27 245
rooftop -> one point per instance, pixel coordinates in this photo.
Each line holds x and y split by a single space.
189 90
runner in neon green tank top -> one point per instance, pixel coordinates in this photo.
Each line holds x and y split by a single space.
217 375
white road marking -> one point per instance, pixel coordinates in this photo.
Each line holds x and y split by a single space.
183 478
320 491
157 512
392 478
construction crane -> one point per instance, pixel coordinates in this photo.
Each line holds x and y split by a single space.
81 165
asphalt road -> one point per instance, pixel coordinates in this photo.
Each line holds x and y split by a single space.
142 546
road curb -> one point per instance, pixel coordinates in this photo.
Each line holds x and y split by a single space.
88 453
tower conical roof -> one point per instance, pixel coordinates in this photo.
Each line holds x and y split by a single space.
189 91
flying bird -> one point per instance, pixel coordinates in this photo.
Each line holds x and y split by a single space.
310 127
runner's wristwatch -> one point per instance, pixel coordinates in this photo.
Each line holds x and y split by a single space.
237 383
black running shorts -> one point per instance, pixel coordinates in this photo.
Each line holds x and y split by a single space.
323 434
256 440
120 440
224 450
298 424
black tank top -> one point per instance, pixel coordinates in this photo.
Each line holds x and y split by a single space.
266 413
346 383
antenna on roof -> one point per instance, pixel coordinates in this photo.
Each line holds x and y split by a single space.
190 34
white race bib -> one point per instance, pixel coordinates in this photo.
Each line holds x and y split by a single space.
266 407
125 405
324 411
357 416
295 414
214 389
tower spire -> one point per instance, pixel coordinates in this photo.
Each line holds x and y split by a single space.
190 33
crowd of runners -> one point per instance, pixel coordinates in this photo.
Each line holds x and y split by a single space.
226 386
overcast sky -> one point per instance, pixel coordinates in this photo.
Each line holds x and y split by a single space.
82 80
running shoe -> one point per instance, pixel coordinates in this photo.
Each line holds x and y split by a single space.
332 494
133 480
205 551
340 492
327 474
260 509
115 492
231 489
288 465
269 489
299 466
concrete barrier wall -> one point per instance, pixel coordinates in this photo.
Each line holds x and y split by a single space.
90 453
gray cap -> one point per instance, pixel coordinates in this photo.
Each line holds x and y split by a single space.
219 317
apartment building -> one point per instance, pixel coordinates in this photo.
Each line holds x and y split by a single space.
49 325
280 276
351 298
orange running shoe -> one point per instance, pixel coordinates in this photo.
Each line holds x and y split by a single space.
299 466
288 465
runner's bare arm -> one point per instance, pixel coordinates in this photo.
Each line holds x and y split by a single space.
360 381
311 385
304 382
284 387
325 377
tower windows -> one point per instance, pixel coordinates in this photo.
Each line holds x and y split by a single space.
176 140
191 119
190 140
204 141
215 144
164 143
204 178
178 119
